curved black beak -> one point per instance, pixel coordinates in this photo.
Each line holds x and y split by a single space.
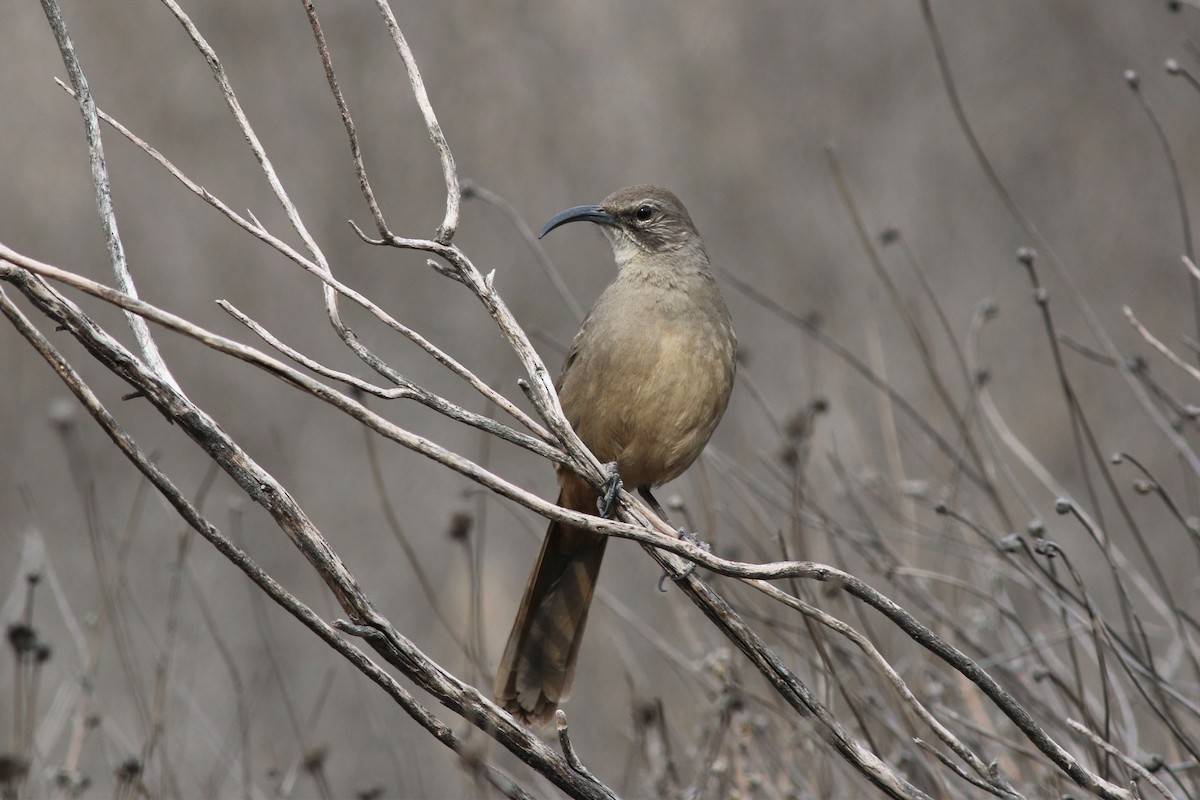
595 214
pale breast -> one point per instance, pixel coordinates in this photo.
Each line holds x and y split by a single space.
649 377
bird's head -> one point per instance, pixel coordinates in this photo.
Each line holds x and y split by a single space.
638 221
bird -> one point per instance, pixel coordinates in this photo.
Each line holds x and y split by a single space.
644 384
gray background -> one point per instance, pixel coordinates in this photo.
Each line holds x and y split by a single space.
551 105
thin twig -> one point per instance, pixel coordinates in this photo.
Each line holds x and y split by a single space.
360 168
405 390
103 189
1157 344
564 741
174 594
470 190
1189 250
449 225
1132 764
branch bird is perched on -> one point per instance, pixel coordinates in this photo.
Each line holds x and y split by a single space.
645 382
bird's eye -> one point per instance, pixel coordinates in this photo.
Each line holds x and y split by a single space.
644 213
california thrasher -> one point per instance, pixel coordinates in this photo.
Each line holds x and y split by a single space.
645 382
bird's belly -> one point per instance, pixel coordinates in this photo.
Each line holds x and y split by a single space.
661 402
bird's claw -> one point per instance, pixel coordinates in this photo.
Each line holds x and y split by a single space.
606 504
695 539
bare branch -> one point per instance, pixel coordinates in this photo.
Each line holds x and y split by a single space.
1157 344
449 225
103 189
470 190
382 635
267 492
406 390
240 559
564 740
1124 759
360 169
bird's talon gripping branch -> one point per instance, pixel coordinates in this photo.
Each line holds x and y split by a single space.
606 504
695 539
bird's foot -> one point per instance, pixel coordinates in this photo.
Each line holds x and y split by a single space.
695 539
606 504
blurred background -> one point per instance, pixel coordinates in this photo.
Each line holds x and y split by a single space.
551 105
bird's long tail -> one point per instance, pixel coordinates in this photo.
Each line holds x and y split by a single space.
538 665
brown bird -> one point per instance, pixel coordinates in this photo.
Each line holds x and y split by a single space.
645 382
